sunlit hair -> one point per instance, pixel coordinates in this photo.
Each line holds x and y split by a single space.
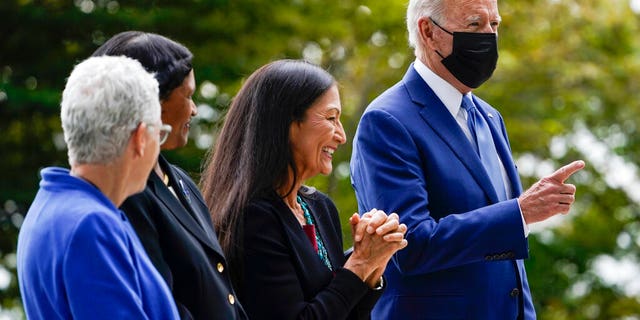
104 100
253 156
168 60
422 8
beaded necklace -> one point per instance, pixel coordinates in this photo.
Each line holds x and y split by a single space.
322 251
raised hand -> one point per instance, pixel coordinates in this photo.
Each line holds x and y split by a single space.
389 227
380 236
550 195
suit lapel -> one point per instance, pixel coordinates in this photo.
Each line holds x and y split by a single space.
323 226
176 207
301 245
438 117
502 146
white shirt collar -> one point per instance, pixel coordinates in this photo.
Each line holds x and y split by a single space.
448 94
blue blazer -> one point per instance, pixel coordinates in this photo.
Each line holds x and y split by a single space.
465 248
79 258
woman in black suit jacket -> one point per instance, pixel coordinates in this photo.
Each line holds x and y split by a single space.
283 239
170 216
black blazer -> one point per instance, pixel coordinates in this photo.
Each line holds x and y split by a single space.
178 236
283 276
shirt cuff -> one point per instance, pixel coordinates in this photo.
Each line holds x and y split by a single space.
380 285
525 227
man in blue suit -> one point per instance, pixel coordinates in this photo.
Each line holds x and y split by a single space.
430 150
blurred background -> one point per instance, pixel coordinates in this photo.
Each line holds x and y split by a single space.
566 83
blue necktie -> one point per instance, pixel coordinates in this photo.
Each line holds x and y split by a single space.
483 144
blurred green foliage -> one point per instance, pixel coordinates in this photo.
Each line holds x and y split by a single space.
565 84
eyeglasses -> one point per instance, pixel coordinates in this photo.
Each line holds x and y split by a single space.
163 131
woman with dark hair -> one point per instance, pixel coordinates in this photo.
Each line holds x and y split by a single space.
170 216
283 240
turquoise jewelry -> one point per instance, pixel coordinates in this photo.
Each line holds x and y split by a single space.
322 251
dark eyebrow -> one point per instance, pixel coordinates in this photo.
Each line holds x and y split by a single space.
333 109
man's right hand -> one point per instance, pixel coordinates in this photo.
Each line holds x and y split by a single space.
550 195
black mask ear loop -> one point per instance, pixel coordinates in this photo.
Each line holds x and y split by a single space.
443 29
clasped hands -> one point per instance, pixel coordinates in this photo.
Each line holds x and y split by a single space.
376 237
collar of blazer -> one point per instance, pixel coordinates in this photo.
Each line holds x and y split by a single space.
182 209
323 226
318 205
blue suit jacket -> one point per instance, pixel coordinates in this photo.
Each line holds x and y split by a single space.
463 259
79 258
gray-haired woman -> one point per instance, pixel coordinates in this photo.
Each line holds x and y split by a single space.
78 256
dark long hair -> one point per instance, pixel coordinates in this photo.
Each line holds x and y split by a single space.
168 60
252 156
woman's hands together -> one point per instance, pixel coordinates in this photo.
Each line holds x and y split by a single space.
377 236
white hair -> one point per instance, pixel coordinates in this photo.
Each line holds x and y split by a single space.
423 8
104 100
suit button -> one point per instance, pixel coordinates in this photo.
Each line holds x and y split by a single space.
220 267
232 299
515 292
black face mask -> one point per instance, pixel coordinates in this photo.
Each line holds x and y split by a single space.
473 58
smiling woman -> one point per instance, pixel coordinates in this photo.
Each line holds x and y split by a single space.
316 138
284 239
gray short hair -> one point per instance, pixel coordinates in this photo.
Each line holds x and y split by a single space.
422 8
104 100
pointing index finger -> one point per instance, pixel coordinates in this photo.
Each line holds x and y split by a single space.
565 172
